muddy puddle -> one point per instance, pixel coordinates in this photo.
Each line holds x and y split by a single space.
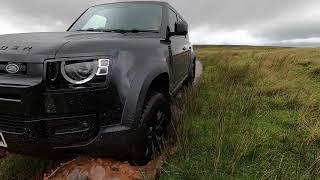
104 169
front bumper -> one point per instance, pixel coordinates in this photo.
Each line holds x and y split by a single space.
114 141
78 134
36 121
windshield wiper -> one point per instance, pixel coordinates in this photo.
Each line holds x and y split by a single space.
94 30
131 31
123 31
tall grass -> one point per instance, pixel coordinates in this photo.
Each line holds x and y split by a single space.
16 167
254 115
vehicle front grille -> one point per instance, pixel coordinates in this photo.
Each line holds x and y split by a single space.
12 124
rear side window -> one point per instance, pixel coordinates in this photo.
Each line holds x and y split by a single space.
172 20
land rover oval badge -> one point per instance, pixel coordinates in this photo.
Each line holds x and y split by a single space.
12 68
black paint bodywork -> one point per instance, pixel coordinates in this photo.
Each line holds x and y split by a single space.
94 117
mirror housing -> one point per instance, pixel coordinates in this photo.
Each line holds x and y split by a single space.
181 29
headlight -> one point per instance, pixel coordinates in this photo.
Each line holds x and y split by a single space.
82 72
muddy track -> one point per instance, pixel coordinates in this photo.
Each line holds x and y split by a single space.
84 168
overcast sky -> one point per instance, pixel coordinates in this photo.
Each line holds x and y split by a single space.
251 22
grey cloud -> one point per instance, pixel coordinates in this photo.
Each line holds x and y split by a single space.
226 15
47 13
292 30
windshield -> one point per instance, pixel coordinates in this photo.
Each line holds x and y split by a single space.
121 16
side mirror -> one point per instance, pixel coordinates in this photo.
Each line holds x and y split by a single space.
181 29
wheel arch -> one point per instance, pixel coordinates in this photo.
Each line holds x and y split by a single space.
161 84
157 80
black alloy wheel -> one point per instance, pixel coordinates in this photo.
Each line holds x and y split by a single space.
154 121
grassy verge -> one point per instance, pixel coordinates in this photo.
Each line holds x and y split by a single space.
255 114
16 167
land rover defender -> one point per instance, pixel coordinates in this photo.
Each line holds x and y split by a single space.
102 87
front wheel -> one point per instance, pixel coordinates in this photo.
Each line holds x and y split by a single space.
191 75
154 121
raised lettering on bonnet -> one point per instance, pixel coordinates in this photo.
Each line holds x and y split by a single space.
4 48
27 48
15 47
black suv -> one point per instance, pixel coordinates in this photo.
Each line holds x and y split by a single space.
103 87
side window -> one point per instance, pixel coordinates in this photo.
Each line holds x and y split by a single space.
172 20
96 22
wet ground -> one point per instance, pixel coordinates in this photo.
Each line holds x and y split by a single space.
84 168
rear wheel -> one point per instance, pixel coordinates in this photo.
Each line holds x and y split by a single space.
154 121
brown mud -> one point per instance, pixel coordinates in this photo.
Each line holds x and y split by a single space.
85 168
103 169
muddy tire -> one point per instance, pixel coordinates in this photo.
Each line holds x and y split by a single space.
154 121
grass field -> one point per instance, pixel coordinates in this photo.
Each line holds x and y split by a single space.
16 167
255 114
